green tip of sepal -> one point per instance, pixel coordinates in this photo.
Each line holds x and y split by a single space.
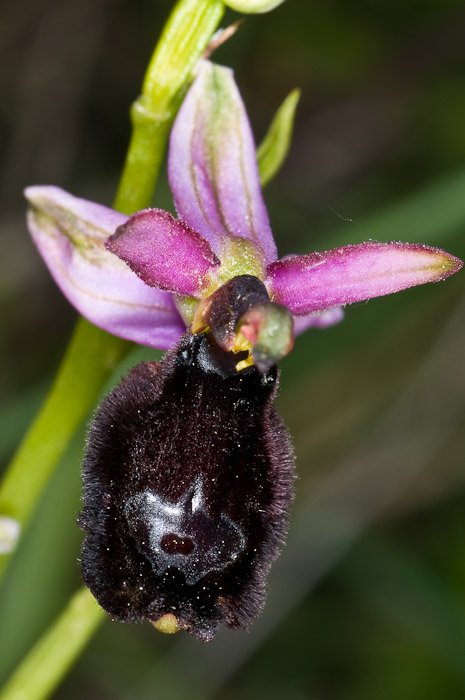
441 265
253 6
274 148
451 264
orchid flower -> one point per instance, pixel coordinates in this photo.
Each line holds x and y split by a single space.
222 231
188 471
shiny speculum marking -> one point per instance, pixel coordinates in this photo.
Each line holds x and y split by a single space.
182 534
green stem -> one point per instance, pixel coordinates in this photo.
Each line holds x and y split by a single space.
46 664
184 38
90 359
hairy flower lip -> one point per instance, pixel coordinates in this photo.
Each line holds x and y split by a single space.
207 585
187 447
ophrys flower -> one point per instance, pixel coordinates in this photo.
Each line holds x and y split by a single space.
188 471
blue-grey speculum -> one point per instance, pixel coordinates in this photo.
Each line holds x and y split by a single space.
182 534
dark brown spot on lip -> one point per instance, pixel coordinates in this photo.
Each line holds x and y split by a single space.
174 544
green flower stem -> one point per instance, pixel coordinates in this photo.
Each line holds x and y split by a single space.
91 357
184 39
141 167
46 664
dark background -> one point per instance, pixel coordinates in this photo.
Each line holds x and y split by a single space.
368 598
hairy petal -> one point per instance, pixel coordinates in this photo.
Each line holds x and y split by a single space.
165 252
70 233
318 281
212 164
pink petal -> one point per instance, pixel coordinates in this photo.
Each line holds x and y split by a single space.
212 164
318 319
69 234
308 283
165 252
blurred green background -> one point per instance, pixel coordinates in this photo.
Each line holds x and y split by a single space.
368 598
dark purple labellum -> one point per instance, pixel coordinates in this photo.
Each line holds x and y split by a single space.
187 486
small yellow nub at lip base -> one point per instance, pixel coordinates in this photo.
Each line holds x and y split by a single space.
243 364
168 624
